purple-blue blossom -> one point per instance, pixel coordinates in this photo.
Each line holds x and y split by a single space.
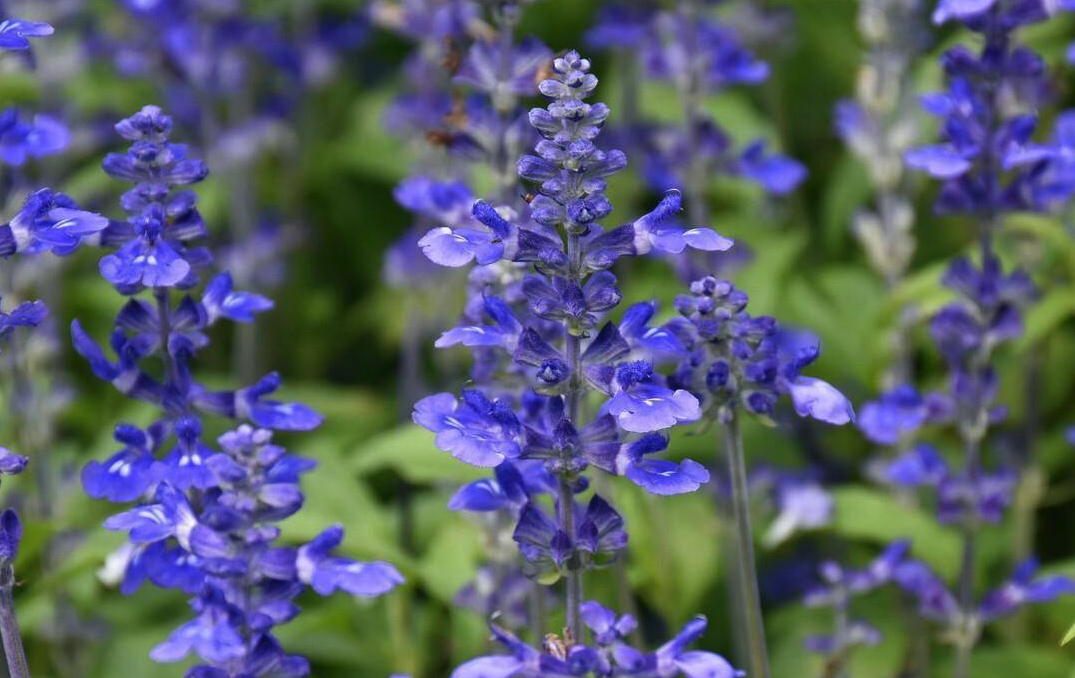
610 656
205 516
49 221
15 33
538 325
22 140
736 360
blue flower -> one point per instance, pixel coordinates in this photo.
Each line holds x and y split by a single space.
10 538
657 231
153 242
326 573
607 627
673 658
49 221
221 301
207 521
642 406
125 374
20 141
252 404
11 464
126 475
512 486
738 360
1023 589
26 314
599 532
481 68
921 466
777 174
901 412
658 476
802 505
14 33
620 25
526 662
468 241
476 430
211 635
503 333
820 400
935 601
171 516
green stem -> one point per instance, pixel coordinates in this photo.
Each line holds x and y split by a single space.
748 575
537 612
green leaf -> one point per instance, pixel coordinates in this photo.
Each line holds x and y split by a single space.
1068 636
450 560
873 515
1044 317
408 450
675 547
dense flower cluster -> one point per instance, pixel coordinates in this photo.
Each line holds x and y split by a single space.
988 161
700 56
205 520
737 360
990 165
839 586
558 388
609 656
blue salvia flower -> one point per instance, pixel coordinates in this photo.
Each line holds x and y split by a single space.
543 347
610 656
205 519
15 33
733 363
938 603
837 589
153 251
738 361
984 159
21 140
461 110
990 166
439 29
49 222
701 56
900 413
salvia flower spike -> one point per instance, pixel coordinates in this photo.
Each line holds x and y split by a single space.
205 515
557 388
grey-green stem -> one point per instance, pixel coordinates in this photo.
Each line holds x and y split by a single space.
573 348
9 627
758 666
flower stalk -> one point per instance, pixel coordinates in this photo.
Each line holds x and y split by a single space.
750 595
9 626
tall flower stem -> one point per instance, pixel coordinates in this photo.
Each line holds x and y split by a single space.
837 667
567 498
748 576
690 95
507 19
9 627
968 632
573 584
